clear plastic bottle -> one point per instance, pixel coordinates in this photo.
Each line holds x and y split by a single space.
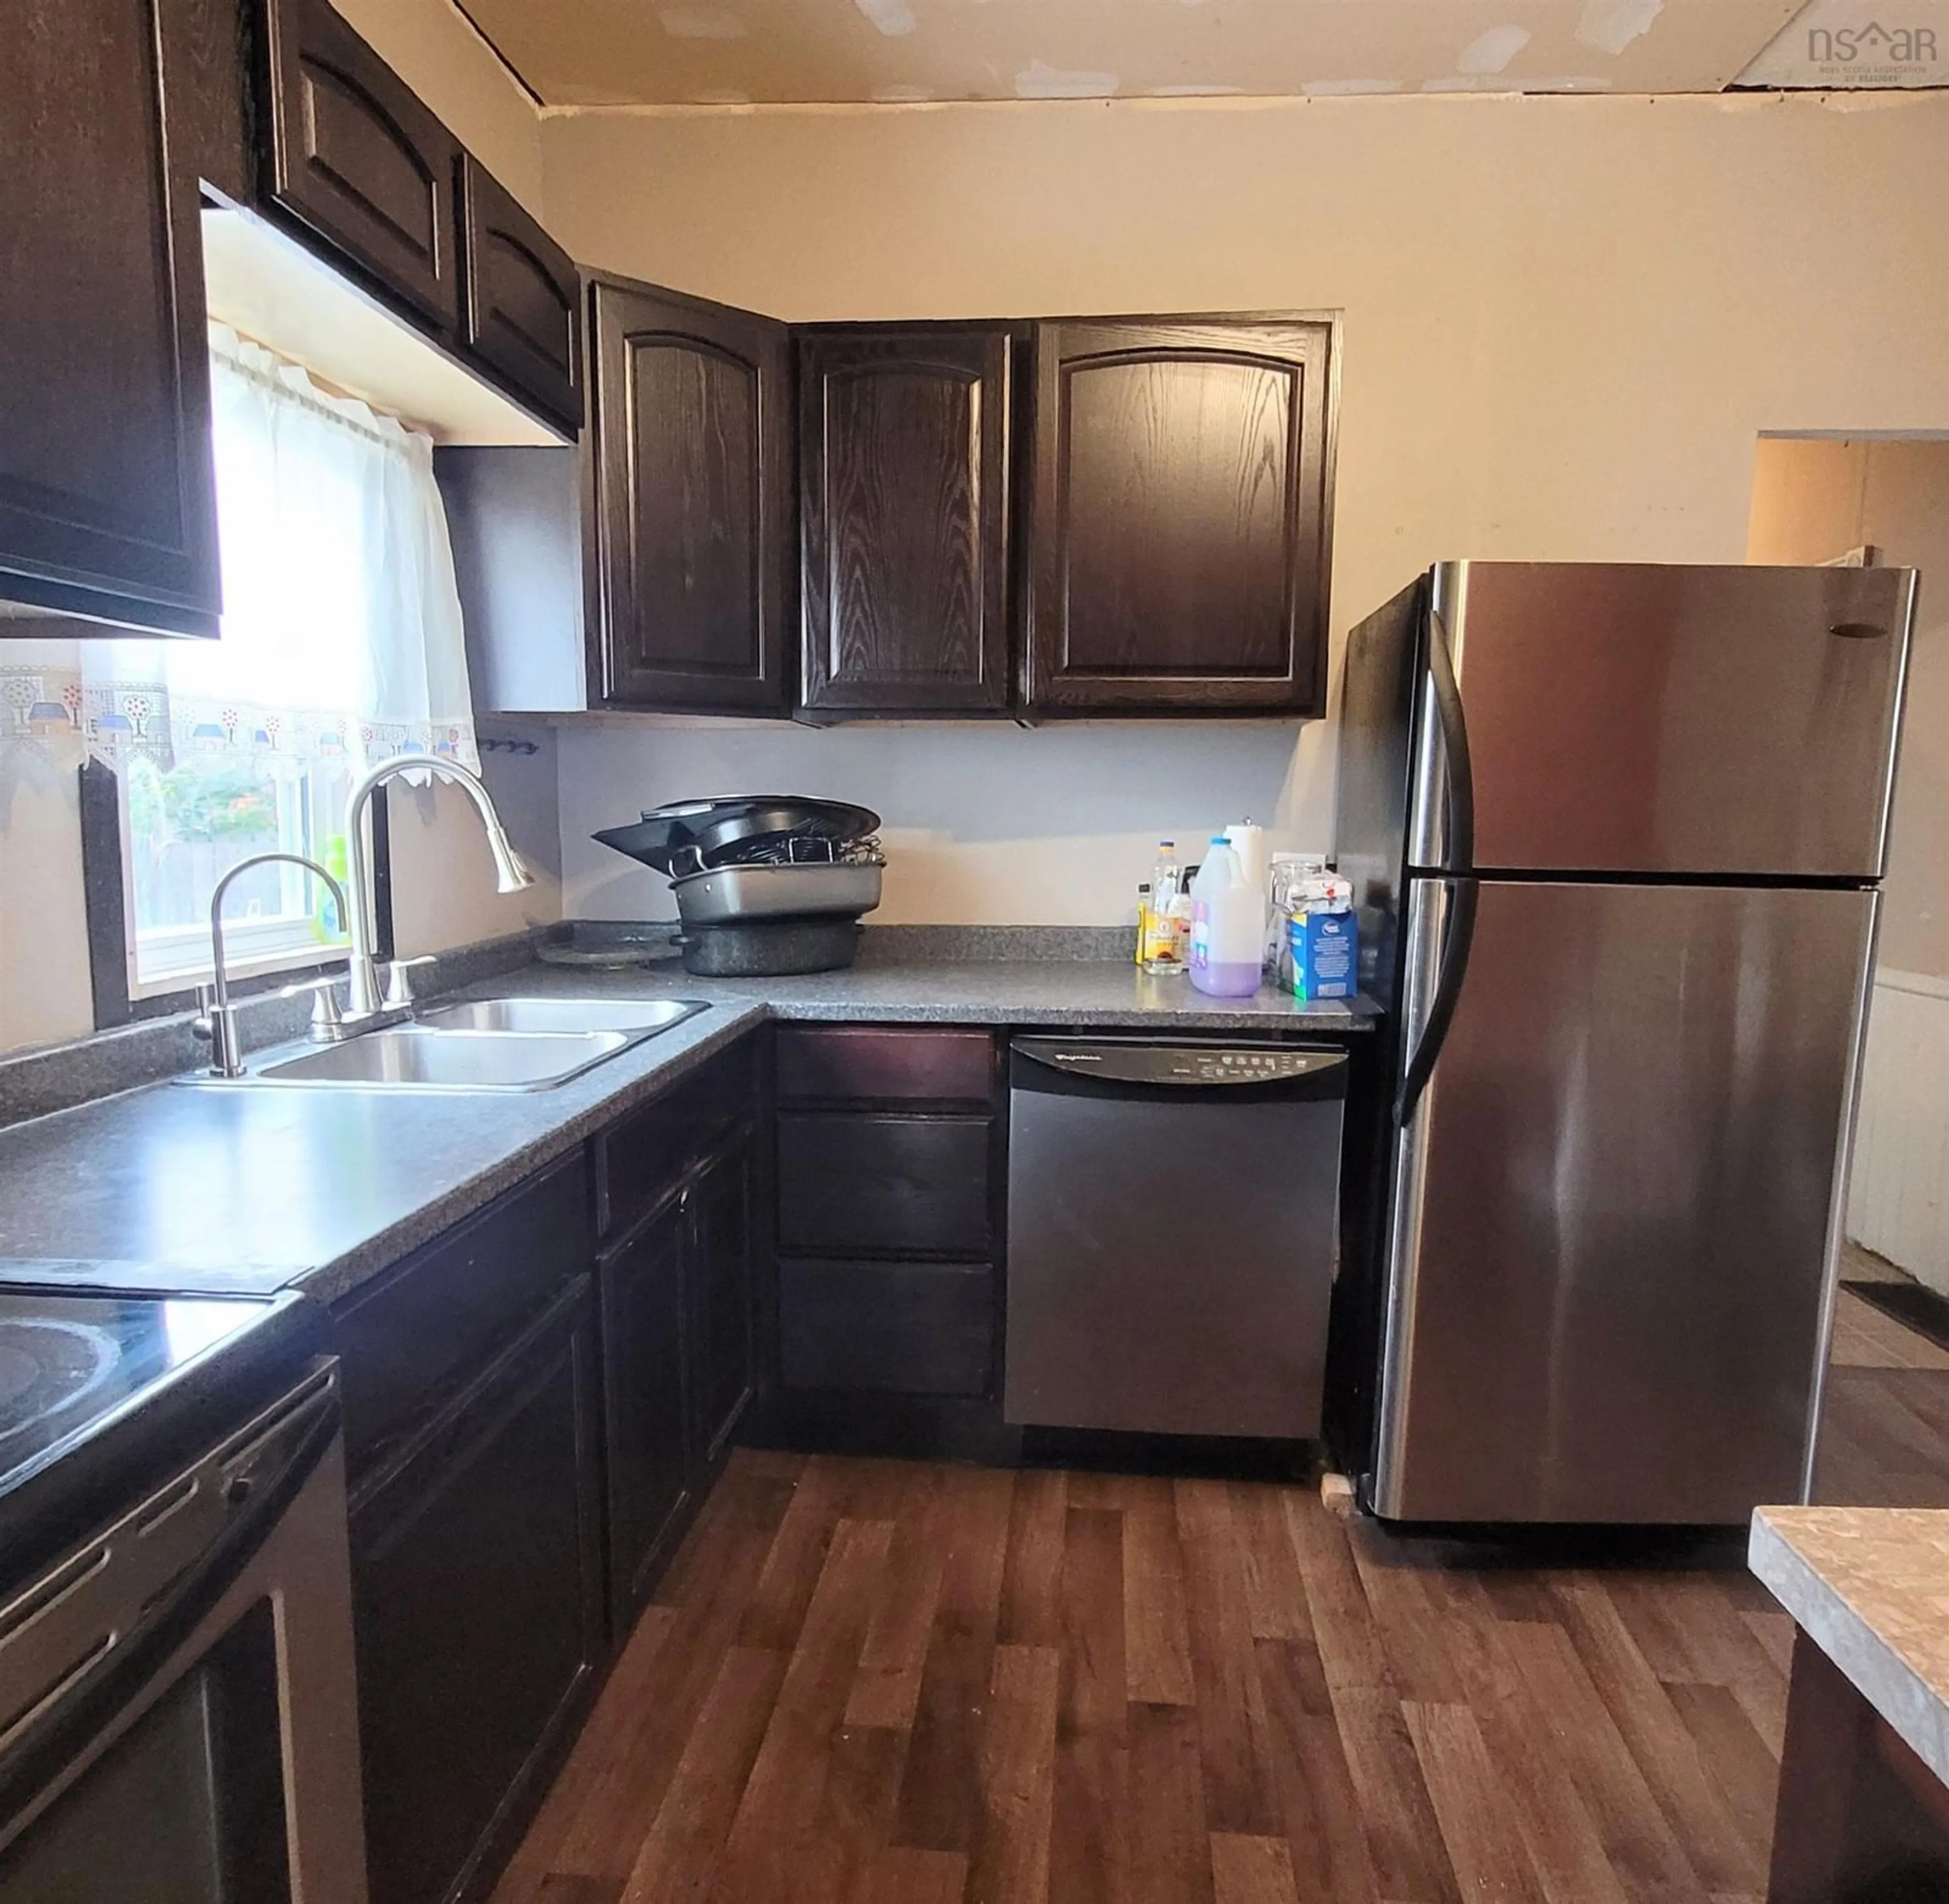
1227 926
1162 939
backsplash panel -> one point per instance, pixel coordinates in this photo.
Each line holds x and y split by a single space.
985 824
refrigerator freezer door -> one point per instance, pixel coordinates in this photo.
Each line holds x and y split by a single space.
1631 719
1614 1207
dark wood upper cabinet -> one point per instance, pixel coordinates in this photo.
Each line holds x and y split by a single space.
107 506
210 93
522 313
693 503
356 155
1180 518
904 450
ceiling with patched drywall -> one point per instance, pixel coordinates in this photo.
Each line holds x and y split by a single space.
716 52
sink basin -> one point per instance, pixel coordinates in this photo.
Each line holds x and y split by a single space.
416 1058
634 1017
476 1045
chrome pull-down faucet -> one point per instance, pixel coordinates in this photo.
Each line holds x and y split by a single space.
217 1020
368 999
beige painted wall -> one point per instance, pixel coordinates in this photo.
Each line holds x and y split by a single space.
1567 320
430 43
44 992
1812 501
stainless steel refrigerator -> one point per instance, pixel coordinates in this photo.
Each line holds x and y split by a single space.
1615 832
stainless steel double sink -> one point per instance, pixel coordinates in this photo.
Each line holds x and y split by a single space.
486 1044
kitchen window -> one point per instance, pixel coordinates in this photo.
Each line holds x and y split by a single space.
341 645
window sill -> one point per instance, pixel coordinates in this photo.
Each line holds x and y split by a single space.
313 956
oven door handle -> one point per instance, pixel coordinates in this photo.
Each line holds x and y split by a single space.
128 1622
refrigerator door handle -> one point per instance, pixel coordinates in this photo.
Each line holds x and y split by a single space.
1459 779
1458 925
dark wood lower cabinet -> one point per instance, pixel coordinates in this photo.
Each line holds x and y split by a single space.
722 1307
417 1330
887 1328
880 1182
479 1608
679 1366
527 1442
647 1409
887 1230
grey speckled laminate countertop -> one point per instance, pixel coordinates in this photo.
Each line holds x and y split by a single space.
1870 1586
258 1187
1101 994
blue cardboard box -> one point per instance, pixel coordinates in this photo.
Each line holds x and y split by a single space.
1325 955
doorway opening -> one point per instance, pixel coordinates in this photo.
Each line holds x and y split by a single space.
1885 1434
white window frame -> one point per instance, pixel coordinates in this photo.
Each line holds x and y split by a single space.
255 946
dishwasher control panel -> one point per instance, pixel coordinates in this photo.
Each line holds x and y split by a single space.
1248 1067
1200 1065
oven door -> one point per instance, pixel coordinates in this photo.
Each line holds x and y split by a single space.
178 1723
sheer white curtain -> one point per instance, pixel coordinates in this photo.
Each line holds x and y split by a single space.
341 631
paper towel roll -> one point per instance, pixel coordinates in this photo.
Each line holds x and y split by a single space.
1248 842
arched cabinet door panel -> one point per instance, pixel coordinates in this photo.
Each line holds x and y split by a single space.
905 438
522 313
358 156
692 503
1180 519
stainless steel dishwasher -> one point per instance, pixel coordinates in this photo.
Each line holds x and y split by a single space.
1173 1214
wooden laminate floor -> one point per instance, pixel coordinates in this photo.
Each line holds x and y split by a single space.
1884 1424
913 1683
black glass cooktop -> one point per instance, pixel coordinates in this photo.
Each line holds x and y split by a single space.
69 1363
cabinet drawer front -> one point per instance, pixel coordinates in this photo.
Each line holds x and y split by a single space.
884 1064
638 1158
879 1184
405 1337
357 156
904 1328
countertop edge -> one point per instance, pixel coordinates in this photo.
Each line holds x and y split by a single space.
1876 1668
1164 1022
734 1014
332 1280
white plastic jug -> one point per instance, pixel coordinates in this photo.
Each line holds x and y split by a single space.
1227 925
